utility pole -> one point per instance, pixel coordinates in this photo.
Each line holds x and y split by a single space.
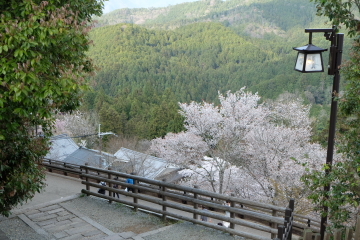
100 134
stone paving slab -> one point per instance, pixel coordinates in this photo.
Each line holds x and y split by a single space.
113 237
52 220
127 234
56 221
3 236
60 223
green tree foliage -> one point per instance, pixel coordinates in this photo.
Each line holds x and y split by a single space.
344 197
341 12
43 67
193 62
145 113
271 15
195 50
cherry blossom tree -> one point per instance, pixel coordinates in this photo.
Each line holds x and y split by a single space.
277 151
78 124
216 131
257 151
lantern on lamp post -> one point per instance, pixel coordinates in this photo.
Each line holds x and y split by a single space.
309 60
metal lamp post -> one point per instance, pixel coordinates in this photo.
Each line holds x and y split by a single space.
309 59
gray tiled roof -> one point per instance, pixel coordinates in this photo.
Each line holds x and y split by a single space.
61 147
90 156
145 165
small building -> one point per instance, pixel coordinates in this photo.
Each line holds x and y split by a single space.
93 157
61 147
145 165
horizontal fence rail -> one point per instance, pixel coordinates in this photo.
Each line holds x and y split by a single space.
63 167
344 234
264 217
194 196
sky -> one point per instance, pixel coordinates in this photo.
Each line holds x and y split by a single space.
112 5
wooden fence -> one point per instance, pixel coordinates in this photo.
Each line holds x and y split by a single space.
278 226
277 221
62 167
347 234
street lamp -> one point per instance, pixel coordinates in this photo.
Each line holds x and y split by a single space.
309 59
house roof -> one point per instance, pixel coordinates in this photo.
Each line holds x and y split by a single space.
144 164
61 147
170 175
92 157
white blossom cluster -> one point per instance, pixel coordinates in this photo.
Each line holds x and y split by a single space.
256 151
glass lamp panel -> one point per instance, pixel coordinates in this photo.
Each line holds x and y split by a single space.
299 62
313 63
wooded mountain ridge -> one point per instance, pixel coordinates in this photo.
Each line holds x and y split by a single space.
253 17
150 59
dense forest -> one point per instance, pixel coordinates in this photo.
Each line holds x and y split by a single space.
151 59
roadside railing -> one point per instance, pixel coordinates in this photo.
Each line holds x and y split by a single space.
302 222
244 212
62 167
345 234
161 193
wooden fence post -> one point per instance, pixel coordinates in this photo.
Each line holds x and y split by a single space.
184 201
110 184
87 179
164 200
357 228
195 215
327 236
232 214
159 195
280 234
211 208
50 170
292 204
317 236
242 216
65 173
291 217
135 190
307 234
349 234
81 170
273 224
337 235
288 222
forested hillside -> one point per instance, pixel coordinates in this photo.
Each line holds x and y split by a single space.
189 52
248 17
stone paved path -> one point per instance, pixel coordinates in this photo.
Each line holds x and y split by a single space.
59 223
54 221
49 218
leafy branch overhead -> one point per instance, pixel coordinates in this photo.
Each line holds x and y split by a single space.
341 12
